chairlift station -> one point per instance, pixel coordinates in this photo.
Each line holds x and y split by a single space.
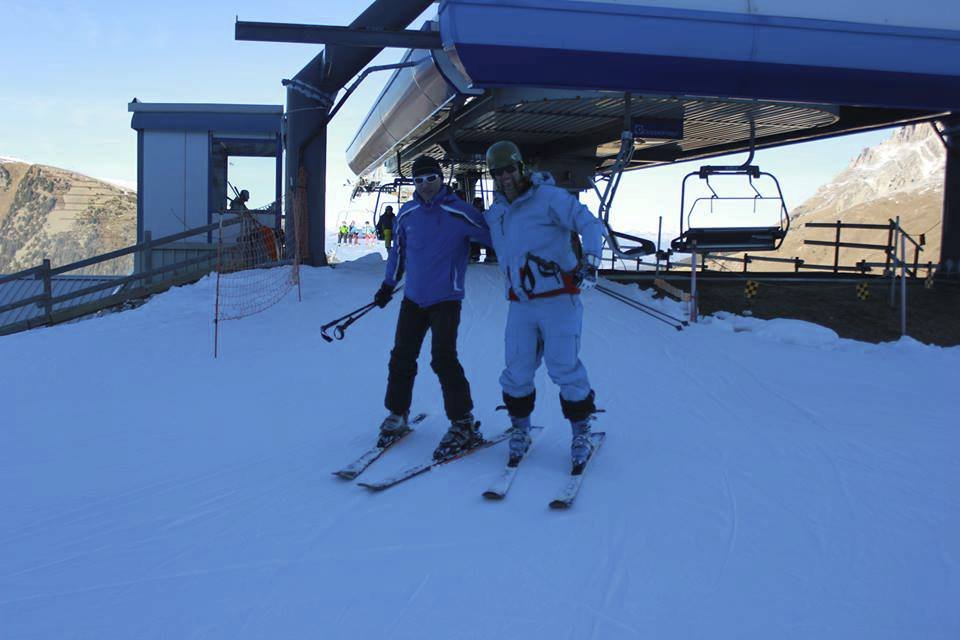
589 89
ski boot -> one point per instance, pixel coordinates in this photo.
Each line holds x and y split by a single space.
580 447
393 428
463 435
519 439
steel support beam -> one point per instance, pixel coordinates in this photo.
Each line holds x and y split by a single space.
950 226
307 117
335 35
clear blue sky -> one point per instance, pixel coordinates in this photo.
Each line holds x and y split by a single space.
71 68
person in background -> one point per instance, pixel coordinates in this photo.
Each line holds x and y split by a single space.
433 234
475 246
386 226
240 202
353 232
342 233
367 233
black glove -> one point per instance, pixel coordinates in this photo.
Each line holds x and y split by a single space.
383 295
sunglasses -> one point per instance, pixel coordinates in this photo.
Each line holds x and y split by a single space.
499 171
430 177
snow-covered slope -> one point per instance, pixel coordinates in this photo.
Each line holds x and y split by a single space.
759 480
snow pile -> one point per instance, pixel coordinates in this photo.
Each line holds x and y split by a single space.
129 186
759 479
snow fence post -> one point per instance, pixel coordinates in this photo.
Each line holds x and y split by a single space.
903 284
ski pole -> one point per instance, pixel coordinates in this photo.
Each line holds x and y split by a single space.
361 310
341 328
343 322
651 311
323 329
654 313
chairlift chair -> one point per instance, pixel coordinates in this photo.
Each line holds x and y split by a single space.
703 239
390 187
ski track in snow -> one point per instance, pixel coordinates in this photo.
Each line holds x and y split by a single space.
760 478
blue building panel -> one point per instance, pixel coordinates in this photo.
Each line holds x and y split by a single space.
634 47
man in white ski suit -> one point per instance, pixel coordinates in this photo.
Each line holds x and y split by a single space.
533 226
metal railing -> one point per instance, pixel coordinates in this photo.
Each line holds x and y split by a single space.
890 249
147 278
894 234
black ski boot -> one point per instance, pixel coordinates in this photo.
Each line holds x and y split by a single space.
463 435
393 428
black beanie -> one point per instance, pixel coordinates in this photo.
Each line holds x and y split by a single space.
425 165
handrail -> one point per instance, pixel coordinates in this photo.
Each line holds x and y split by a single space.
845 225
126 279
22 303
20 275
43 271
118 253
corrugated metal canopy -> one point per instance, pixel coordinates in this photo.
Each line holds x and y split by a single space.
554 123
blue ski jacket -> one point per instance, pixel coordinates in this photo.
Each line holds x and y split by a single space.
432 247
539 222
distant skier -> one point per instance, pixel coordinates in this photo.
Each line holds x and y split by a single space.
353 232
433 232
385 224
535 226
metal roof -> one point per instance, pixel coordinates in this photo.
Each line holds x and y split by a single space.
558 90
591 124
236 118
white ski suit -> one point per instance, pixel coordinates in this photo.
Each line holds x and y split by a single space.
545 317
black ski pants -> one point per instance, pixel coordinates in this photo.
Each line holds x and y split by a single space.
443 320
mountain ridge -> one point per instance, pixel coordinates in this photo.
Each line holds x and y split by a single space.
63 215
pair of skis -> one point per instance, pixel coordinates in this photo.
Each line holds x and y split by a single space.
497 490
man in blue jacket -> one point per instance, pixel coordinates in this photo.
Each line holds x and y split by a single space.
432 235
536 228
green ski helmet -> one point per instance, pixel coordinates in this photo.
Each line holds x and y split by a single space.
503 154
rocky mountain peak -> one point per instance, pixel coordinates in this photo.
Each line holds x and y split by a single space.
912 159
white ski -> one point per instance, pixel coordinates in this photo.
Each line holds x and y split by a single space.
498 489
369 456
565 498
427 466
